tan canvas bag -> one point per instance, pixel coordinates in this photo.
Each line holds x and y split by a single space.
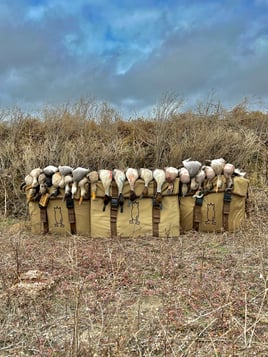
215 211
56 217
139 218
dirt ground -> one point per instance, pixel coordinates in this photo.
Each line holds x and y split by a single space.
197 295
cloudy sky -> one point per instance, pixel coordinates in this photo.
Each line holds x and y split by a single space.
131 52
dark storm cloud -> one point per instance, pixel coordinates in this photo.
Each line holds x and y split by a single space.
130 54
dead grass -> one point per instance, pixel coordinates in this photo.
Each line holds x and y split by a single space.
94 135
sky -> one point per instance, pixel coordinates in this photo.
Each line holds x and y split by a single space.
130 53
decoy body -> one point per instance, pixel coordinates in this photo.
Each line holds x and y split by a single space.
200 178
210 174
106 177
218 165
120 177
28 180
228 171
193 168
50 170
132 175
84 187
65 170
93 177
58 180
35 174
160 177
78 174
68 180
185 179
147 176
171 175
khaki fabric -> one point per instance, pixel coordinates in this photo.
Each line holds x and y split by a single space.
58 219
82 216
238 203
34 213
211 213
212 209
100 221
58 216
137 217
169 225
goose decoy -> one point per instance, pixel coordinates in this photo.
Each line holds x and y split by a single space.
106 177
210 174
200 178
65 170
160 177
171 175
41 178
185 179
35 174
147 176
68 180
218 165
93 179
193 167
132 175
28 188
58 183
27 182
120 178
50 170
228 171
58 180
78 174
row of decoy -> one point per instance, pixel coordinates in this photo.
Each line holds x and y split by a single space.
194 176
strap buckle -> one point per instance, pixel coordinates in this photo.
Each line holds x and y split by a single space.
114 202
156 204
227 196
198 194
199 201
69 202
